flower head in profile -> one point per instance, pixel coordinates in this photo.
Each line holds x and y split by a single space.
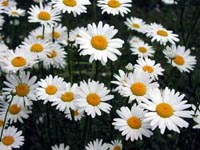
60 147
136 24
92 98
98 42
131 123
167 109
196 116
158 33
182 59
115 7
15 12
71 6
115 145
96 145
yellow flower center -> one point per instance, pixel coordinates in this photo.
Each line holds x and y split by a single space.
134 122
22 89
114 3
149 69
5 3
135 25
179 60
67 97
138 88
15 13
142 49
70 3
1 123
164 110
44 15
40 37
14 109
93 99
56 35
8 140
52 54
117 147
76 113
51 90
99 42
37 48
162 33
18 61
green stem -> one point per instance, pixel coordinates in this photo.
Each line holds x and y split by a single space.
85 134
70 65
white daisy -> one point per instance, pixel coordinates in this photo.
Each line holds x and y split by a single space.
77 114
149 66
11 139
56 57
58 33
133 40
38 48
142 49
45 15
7 4
16 112
136 24
97 145
71 6
136 86
17 60
38 34
158 33
99 43
183 61
60 147
131 123
129 67
15 12
21 89
196 116
166 110
92 98
73 34
115 145
50 88
115 7
67 98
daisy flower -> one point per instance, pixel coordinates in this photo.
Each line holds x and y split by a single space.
142 49
58 33
15 12
16 112
45 15
166 110
56 57
50 88
98 42
71 6
17 60
77 114
149 66
21 89
136 24
158 33
97 145
131 123
196 117
115 145
133 40
129 67
115 7
38 34
38 48
136 86
7 4
11 139
183 61
92 98
60 147
67 98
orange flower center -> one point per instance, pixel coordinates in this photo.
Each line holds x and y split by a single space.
52 54
139 89
5 3
44 15
142 49
22 89
149 69
37 48
114 3
135 25
14 109
164 110
99 42
51 90
18 61
67 97
1 123
93 99
179 60
56 35
162 33
70 3
8 140
117 147
134 122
